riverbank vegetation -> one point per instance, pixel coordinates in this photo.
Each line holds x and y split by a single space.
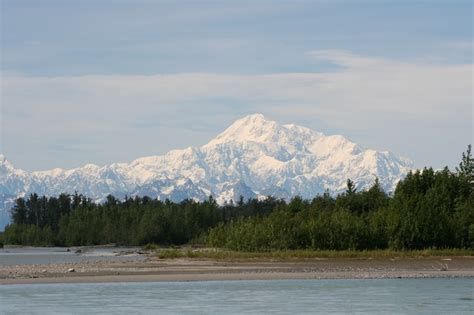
299 254
428 209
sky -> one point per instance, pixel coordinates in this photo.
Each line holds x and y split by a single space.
109 81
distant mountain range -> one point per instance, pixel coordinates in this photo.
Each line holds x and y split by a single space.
254 157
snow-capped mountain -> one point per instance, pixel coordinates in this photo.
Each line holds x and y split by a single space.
254 157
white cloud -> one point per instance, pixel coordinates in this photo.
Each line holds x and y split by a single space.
376 91
345 58
415 89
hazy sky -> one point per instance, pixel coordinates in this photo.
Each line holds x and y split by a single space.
110 81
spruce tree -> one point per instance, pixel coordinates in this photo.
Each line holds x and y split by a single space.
466 167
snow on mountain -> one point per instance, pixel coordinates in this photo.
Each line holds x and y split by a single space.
254 157
12 181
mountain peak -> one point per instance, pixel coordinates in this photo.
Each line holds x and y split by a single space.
253 121
254 157
257 117
253 127
4 162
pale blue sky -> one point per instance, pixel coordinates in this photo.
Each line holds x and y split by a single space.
107 81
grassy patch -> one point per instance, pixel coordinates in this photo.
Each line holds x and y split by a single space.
222 254
170 253
150 246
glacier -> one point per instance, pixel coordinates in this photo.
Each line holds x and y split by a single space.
254 157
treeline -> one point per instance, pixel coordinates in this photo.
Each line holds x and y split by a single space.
76 220
429 209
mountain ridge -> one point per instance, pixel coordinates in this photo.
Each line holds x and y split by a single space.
253 157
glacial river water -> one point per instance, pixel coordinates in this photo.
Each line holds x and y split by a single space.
60 255
382 296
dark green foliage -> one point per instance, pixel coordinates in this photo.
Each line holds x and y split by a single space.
429 209
76 220
466 167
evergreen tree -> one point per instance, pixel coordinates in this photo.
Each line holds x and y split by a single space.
350 187
466 166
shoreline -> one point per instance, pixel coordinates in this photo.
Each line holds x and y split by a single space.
228 277
154 269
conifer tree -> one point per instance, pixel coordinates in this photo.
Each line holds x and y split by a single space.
466 167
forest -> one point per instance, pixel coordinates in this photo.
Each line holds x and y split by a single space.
428 209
